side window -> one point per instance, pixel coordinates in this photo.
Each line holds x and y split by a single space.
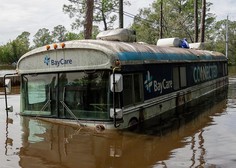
183 79
127 90
176 78
138 96
132 92
179 77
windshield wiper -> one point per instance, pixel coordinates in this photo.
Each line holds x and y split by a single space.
45 105
70 112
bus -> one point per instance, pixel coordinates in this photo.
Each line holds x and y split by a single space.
113 82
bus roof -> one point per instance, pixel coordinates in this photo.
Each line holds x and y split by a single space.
100 54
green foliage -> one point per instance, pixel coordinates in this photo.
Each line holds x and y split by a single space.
95 32
13 50
59 33
80 36
105 11
73 36
178 20
146 26
218 38
42 37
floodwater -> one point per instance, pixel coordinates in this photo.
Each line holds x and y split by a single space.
204 136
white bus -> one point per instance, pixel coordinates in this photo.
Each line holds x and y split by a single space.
110 83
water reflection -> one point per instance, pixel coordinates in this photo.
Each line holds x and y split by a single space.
8 141
55 145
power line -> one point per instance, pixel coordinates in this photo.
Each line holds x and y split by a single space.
130 15
138 17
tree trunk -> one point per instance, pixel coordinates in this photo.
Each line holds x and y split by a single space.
88 25
196 20
203 20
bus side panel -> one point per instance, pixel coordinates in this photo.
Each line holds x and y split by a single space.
157 80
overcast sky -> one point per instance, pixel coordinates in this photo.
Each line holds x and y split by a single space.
18 16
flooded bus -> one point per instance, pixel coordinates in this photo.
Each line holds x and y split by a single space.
114 82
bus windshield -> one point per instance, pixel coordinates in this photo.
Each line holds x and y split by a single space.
83 95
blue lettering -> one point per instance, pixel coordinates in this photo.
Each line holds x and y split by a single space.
52 62
60 62
157 86
204 73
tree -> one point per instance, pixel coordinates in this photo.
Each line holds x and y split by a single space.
73 36
88 24
13 50
95 32
42 37
80 36
24 38
105 11
59 33
146 26
218 39
178 20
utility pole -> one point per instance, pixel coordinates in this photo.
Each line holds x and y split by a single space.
88 25
121 16
203 20
161 21
196 20
227 37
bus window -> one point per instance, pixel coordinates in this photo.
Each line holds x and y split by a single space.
128 90
176 78
138 88
36 92
179 77
39 94
85 94
183 79
132 92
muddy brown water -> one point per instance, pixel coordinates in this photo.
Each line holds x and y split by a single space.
204 137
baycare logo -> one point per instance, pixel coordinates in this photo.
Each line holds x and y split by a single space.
48 61
148 82
157 86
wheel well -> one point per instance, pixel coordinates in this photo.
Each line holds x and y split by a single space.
133 121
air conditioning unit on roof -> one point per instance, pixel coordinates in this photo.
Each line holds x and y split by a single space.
125 35
169 42
199 46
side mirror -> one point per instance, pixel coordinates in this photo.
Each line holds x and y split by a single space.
8 85
119 113
10 108
7 88
116 80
